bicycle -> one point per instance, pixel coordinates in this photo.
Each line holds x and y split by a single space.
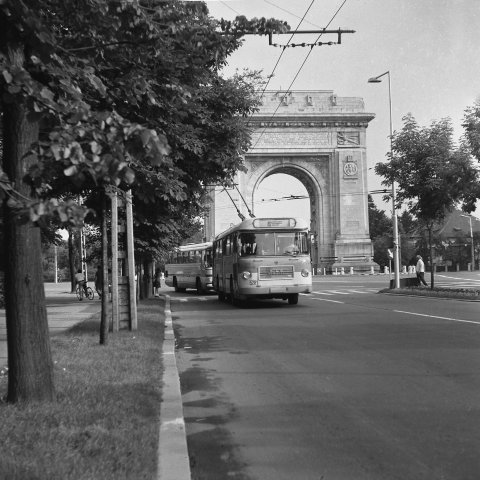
86 291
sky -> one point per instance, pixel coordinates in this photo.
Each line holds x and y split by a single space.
430 47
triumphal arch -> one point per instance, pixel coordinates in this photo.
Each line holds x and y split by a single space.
320 139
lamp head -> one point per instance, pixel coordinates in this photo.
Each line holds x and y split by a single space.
374 80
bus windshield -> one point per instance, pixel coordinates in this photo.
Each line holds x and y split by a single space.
272 243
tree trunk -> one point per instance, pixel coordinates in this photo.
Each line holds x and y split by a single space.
71 258
104 315
432 266
30 372
147 280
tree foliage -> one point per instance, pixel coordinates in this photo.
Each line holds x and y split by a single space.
379 223
432 174
131 96
471 124
109 94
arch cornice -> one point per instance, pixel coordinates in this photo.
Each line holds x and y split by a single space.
312 121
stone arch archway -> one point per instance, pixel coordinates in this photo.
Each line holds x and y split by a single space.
289 166
318 138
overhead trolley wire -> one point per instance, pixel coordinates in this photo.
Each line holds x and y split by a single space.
228 6
283 49
296 75
263 91
303 197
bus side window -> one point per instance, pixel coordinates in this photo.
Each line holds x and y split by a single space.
238 245
228 245
207 258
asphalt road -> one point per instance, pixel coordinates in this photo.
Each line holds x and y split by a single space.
348 384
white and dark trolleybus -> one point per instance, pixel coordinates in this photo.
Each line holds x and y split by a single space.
263 258
190 266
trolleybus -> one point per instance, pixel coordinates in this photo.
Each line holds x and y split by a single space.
190 266
263 258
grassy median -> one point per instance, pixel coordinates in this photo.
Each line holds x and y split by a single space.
105 422
438 292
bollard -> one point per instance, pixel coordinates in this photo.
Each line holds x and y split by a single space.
372 271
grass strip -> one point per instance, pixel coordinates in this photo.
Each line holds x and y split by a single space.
439 292
105 422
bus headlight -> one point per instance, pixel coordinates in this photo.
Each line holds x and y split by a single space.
246 275
305 273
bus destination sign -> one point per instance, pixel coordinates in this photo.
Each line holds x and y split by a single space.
274 222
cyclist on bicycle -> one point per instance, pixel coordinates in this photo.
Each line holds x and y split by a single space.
82 284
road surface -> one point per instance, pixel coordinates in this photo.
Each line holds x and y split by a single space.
348 384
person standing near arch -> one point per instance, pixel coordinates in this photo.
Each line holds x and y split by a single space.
420 269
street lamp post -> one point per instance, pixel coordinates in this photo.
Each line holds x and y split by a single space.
471 239
396 266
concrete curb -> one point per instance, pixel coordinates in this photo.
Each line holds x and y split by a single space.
173 460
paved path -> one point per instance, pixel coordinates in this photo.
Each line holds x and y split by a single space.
63 309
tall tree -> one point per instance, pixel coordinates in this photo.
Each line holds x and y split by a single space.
97 93
471 124
432 174
380 227
378 222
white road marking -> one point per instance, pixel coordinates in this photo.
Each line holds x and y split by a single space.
327 300
346 292
437 316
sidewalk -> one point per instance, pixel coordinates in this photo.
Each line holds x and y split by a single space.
63 309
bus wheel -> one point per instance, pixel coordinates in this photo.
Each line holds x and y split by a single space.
293 299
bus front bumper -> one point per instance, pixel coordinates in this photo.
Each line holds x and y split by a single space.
274 290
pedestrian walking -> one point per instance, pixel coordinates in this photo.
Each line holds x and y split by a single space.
420 268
